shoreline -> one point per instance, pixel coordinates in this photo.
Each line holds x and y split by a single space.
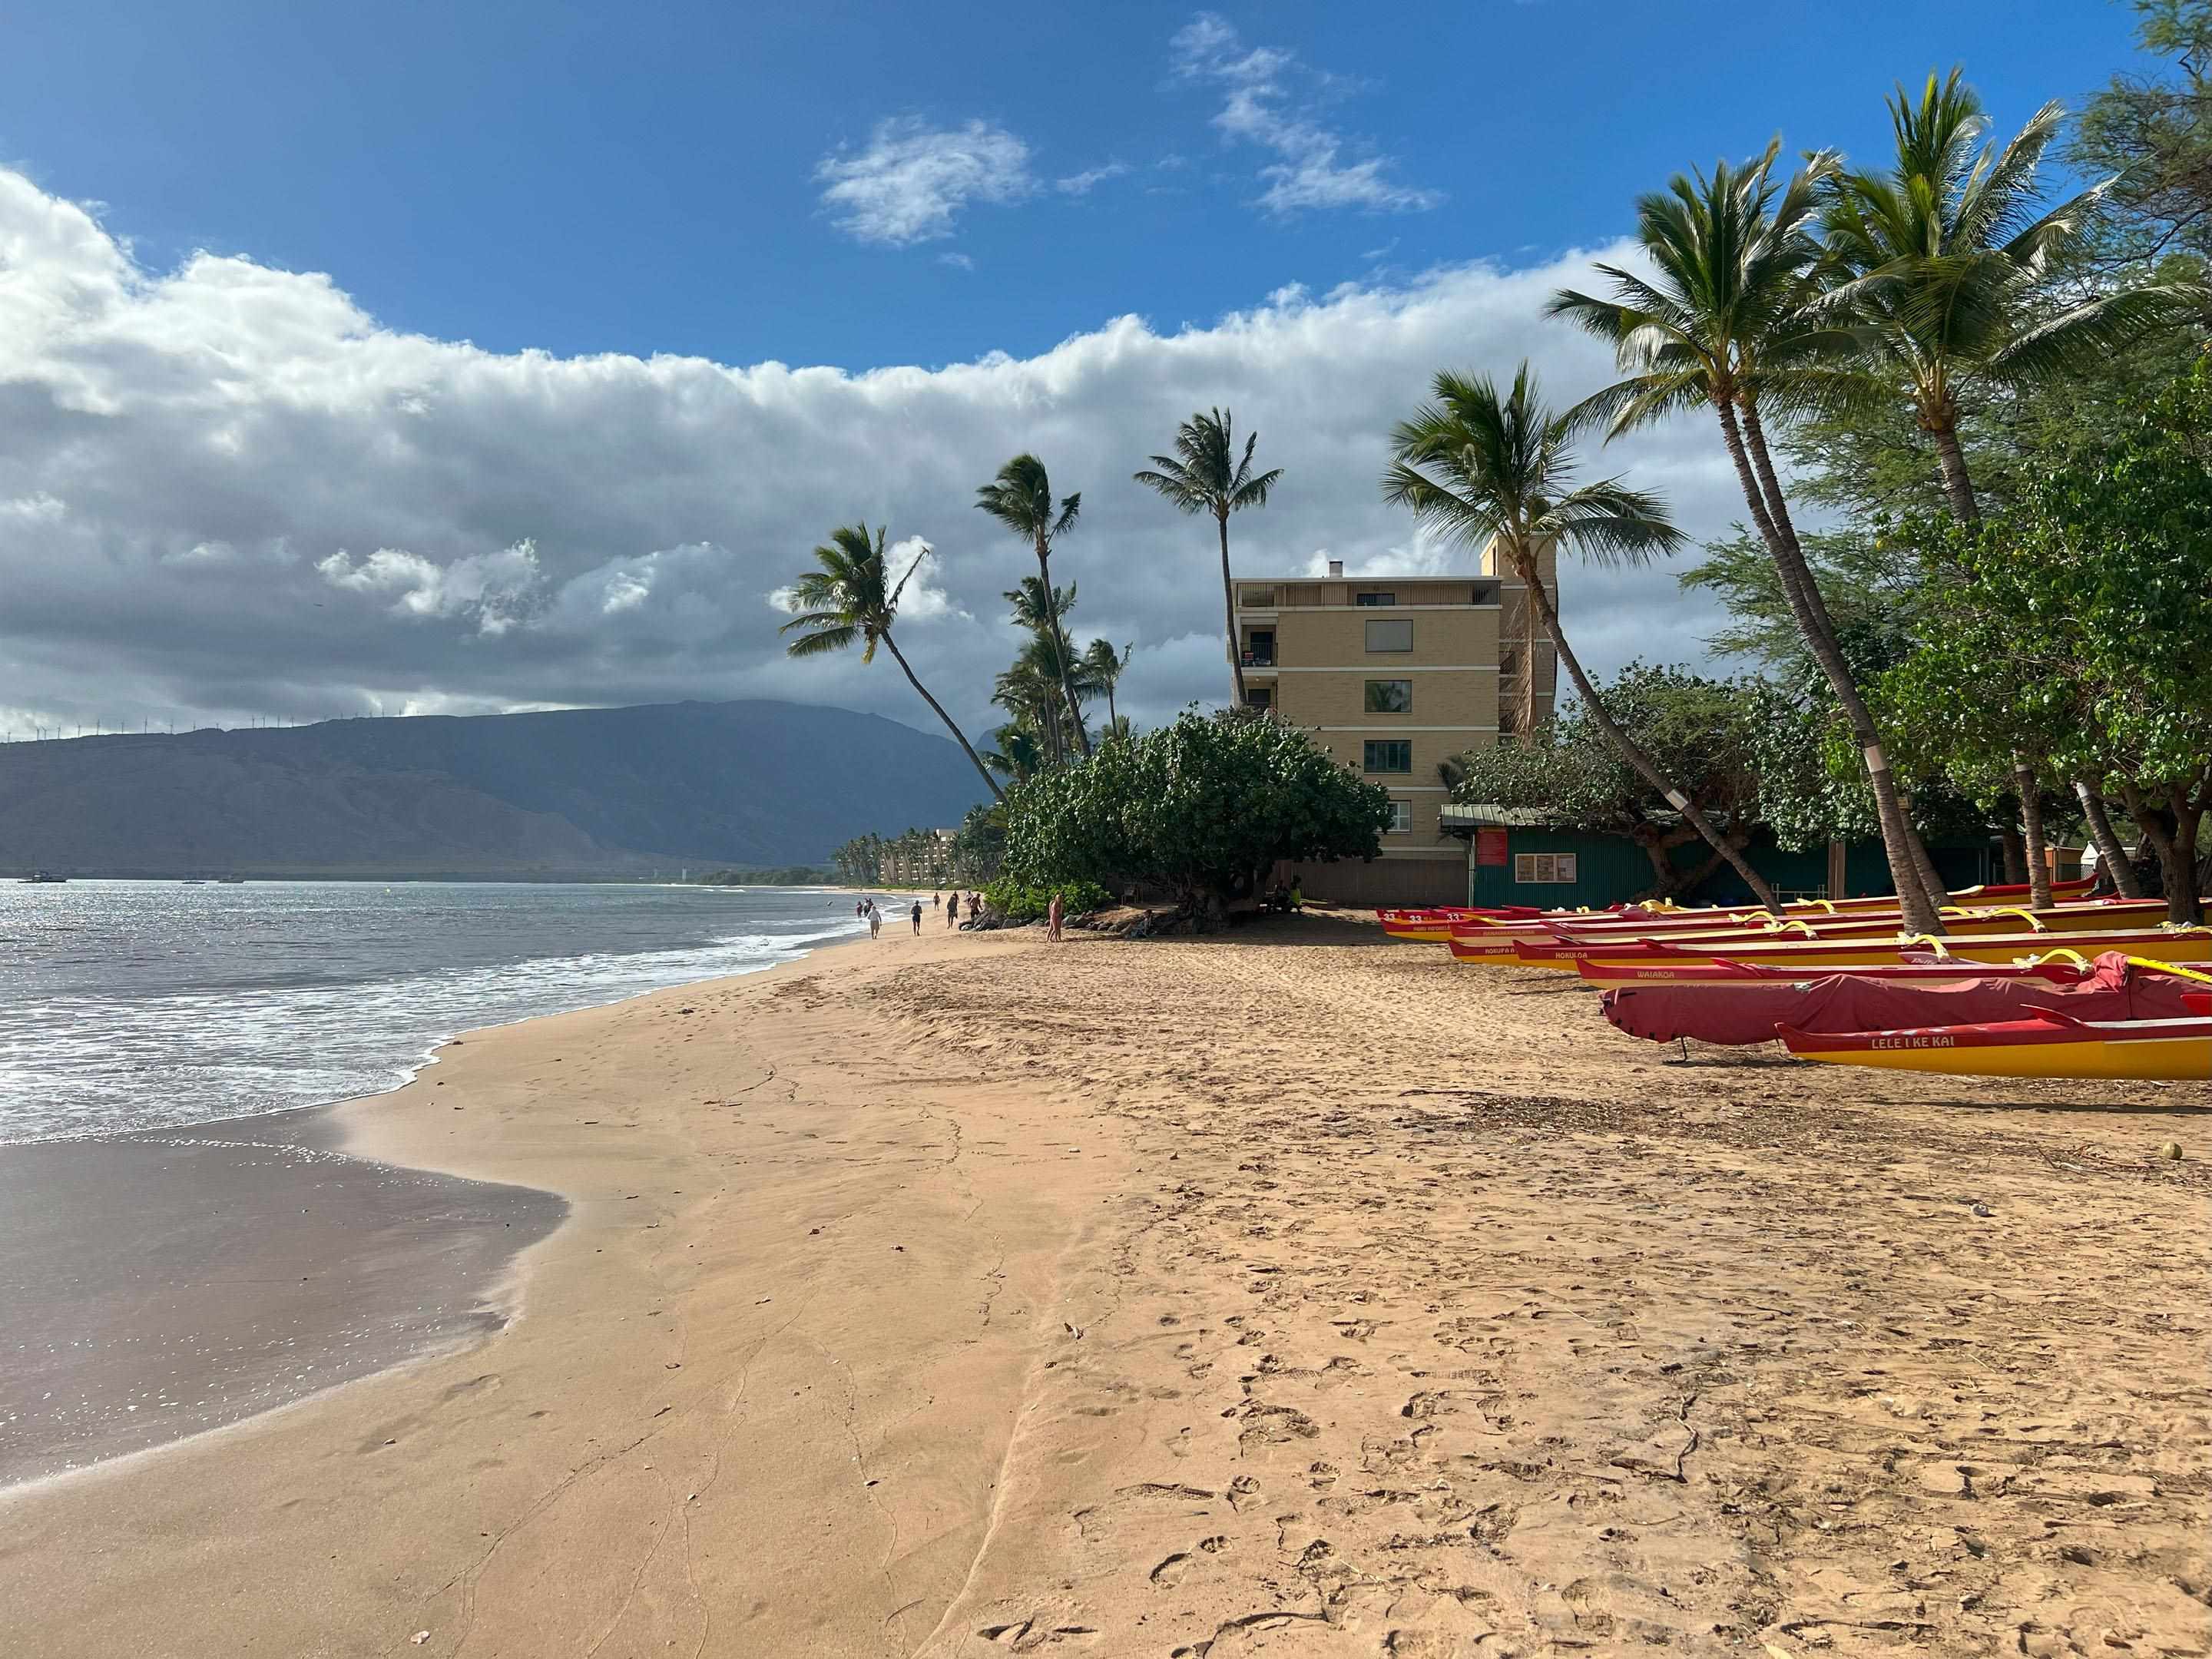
966 1295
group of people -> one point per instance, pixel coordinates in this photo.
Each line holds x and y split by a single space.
870 912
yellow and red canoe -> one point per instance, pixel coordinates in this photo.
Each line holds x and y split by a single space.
2102 915
1810 958
2050 1045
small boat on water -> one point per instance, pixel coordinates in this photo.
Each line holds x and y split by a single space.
2047 1044
43 878
1754 1002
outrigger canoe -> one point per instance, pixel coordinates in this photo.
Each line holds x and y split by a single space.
1811 958
2047 1045
1877 999
2101 916
1432 922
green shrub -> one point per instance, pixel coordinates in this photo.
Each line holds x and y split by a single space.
1024 902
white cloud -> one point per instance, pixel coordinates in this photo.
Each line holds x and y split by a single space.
957 261
1269 100
913 179
274 506
1082 183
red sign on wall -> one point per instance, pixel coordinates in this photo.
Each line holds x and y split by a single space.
1490 847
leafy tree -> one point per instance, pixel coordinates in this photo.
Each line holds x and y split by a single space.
1207 475
1477 465
1021 498
2152 135
1698 731
2085 618
1204 807
1725 320
847 598
1950 265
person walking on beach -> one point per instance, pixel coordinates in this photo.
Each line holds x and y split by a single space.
875 921
1052 913
917 918
952 910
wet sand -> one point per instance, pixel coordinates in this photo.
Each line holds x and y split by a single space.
156 1284
1292 1294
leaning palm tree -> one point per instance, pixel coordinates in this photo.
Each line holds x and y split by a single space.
1104 664
1207 475
1947 261
1477 466
1020 498
847 597
1725 320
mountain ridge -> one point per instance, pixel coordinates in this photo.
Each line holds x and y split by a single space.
554 794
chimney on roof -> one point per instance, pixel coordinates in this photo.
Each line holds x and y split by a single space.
1336 567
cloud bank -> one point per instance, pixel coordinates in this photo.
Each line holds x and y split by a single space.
227 491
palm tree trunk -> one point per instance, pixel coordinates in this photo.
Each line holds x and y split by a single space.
967 748
2030 819
1527 711
1626 747
1958 488
1918 906
2110 856
1112 720
1059 640
1229 613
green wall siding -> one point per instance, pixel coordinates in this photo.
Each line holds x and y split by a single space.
1609 870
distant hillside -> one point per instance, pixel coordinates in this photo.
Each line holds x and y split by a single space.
582 792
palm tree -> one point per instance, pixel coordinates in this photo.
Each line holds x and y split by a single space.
1478 466
1105 666
1041 617
1020 498
1726 320
1205 475
847 596
1948 269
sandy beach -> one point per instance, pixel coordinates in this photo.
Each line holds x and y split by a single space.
1291 1293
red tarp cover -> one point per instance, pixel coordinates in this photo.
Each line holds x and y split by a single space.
2111 989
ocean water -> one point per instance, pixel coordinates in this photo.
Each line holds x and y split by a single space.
148 1005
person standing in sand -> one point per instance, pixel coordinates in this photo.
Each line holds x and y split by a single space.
1051 915
917 918
975 908
875 921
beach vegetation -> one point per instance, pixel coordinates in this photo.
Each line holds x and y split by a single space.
1478 465
1699 731
1020 901
1199 809
1207 476
1020 499
849 599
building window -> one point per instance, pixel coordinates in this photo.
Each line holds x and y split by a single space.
1260 697
1390 697
1389 756
1401 818
1396 635
1375 598
1257 598
1530 869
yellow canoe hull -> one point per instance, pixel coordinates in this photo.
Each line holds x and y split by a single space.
2168 1059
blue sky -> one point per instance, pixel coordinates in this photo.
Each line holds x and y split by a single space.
645 177
430 358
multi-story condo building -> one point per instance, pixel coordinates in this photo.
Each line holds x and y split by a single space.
1396 676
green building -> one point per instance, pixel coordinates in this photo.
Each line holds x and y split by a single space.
1514 857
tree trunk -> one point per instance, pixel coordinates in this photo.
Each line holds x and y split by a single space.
2015 854
2110 856
1623 745
1527 716
960 736
2030 819
1918 905
1228 614
1112 720
2173 835
1059 639
1958 488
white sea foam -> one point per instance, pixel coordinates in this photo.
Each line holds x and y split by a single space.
135 1008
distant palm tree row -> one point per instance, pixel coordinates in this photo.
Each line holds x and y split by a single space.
1761 299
